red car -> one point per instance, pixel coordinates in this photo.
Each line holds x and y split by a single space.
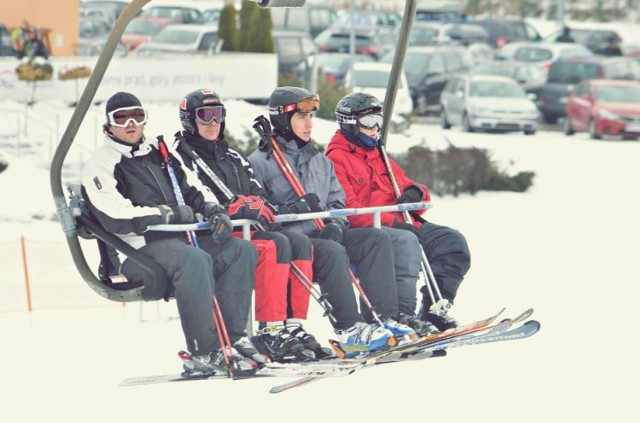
141 29
604 107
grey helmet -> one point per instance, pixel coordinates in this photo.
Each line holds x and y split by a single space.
193 100
352 106
284 102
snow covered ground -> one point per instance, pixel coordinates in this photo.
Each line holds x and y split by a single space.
568 247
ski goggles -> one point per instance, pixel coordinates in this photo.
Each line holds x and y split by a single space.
370 121
307 105
207 114
122 116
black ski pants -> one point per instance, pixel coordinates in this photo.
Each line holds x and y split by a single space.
449 257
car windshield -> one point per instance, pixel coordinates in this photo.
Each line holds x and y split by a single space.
143 27
620 94
176 36
413 62
371 78
495 89
533 54
423 36
571 72
492 69
209 16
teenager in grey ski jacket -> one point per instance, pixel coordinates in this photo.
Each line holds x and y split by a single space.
369 249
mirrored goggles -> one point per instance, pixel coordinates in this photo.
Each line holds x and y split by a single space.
370 121
122 116
307 105
207 114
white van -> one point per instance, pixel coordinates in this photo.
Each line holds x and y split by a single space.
373 78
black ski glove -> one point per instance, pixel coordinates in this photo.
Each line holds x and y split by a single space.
176 214
221 227
209 209
308 203
408 227
412 194
332 231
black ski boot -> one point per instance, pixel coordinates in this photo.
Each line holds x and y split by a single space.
438 314
311 344
277 343
422 327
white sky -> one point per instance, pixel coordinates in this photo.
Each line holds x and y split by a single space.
567 247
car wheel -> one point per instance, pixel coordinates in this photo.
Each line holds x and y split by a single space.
444 123
530 132
592 130
466 126
566 127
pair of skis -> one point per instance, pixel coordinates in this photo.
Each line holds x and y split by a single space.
436 345
480 332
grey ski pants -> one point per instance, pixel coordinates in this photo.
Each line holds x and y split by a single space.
227 269
407 255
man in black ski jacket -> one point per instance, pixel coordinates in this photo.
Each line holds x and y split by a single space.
281 300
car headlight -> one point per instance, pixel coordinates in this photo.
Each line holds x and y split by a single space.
605 114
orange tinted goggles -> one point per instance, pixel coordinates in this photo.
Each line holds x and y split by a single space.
308 105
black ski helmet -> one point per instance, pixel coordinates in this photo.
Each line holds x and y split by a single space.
352 106
193 100
283 103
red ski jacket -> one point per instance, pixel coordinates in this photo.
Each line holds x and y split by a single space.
365 180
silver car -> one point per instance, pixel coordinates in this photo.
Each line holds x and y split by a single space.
489 103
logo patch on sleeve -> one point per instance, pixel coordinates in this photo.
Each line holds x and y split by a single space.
97 182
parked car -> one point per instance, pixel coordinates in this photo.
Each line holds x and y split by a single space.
141 29
108 10
428 69
332 67
503 31
312 18
6 46
604 107
485 102
564 74
292 48
369 18
529 75
373 78
178 12
440 11
182 38
94 31
481 53
431 33
545 54
209 16
375 42
592 38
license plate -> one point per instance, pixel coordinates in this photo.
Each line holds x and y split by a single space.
633 128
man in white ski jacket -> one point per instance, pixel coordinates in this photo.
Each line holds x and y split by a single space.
126 186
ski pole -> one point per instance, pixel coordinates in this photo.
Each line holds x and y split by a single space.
221 329
297 272
298 189
424 264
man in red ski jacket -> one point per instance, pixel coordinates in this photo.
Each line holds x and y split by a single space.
362 172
